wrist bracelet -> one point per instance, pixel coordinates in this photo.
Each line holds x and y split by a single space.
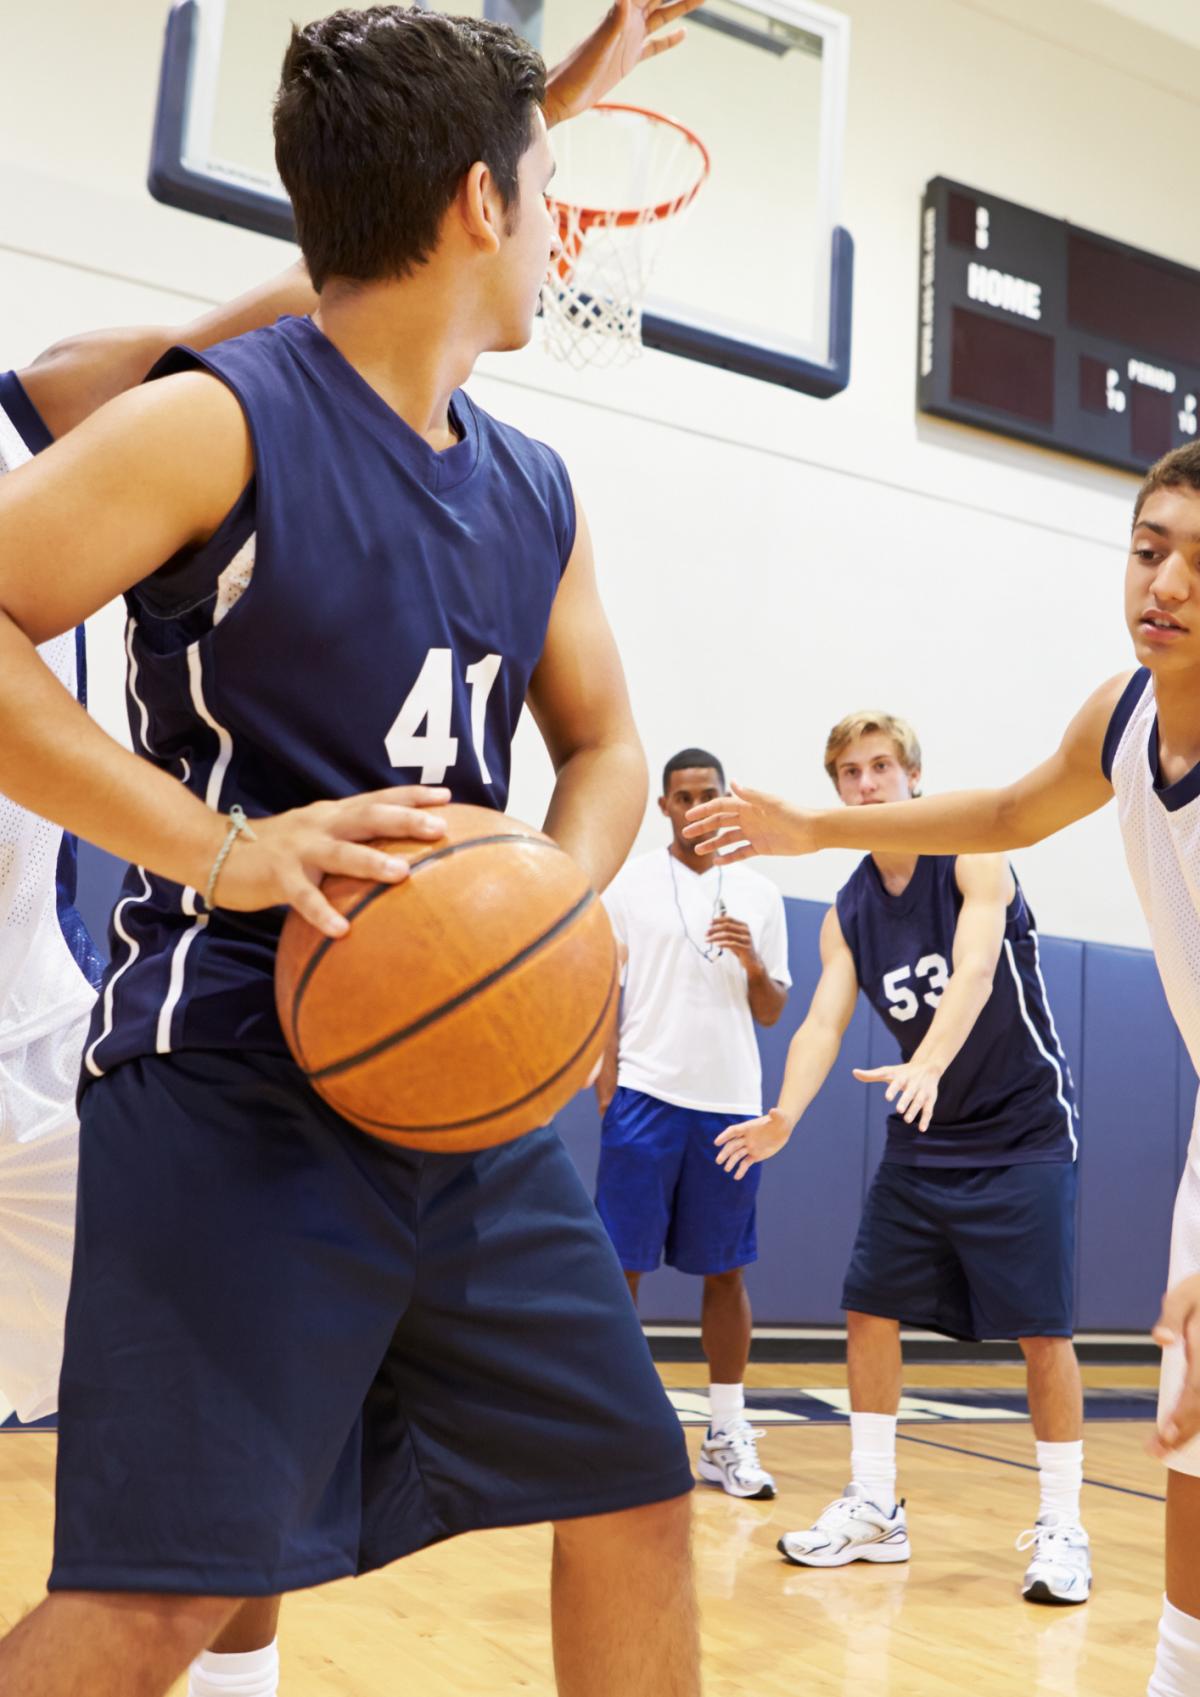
238 825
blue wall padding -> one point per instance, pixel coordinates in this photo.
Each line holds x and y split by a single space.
1137 1094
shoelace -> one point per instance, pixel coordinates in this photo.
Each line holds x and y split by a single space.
1046 1538
743 1441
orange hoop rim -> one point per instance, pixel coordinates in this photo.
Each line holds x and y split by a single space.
585 217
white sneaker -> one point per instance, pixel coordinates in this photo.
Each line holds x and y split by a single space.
1061 1569
851 1529
730 1459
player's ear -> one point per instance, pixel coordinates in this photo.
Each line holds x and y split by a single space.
662 804
914 782
480 208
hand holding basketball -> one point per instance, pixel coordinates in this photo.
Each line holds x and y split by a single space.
290 853
749 822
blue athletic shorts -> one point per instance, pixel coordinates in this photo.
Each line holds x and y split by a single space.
974 1252
661 1193
295 1353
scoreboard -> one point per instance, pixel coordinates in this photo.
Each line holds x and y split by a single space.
1031 327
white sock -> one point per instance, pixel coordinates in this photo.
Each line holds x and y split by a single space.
1177 1668
1060 1474
727 1404
873 1457
254 1673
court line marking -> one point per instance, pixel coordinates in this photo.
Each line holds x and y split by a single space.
1027 1466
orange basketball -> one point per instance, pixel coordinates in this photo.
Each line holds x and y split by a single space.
468 1003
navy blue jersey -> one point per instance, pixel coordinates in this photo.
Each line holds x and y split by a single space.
369 613
1007 1096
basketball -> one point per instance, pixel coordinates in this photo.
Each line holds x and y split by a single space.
467 1004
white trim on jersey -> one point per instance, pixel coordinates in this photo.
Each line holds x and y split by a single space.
131 685
1041 1047
212 796
1046 1003
89 1058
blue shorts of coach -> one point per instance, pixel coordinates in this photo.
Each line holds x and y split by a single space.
973 1252
661 1193
295 1353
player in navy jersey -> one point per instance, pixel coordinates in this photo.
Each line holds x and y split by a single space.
969 1224
365 577
1136 737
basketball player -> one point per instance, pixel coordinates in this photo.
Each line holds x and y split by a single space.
705 958
210 1109
969 1225
1137 736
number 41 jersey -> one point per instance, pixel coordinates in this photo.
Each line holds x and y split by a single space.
369 614
1007 1097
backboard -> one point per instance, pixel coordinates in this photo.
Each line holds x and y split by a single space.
758 277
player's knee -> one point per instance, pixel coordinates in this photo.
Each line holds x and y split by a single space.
724 1281
1040 1349
655 1532
175 1625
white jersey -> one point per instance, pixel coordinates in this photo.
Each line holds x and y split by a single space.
1160 825
686 1030
48 974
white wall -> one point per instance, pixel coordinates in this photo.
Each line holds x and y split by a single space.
769 561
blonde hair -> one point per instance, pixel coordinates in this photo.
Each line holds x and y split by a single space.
855 725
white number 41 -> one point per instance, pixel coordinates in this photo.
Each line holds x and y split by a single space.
429 703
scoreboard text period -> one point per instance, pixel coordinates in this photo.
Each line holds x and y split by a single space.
1033 328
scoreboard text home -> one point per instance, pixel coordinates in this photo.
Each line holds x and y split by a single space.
1033 328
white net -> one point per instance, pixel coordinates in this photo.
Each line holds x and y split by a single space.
623 176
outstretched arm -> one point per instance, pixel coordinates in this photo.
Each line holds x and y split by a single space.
987 887
1068 786
630 32
811 1055
578 697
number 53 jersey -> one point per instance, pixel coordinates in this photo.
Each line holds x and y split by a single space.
1008 1096
369 614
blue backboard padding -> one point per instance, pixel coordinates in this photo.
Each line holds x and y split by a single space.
1137 1093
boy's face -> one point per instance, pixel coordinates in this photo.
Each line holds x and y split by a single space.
531 242
1162 581
868 771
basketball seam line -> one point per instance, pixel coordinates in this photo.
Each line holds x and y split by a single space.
508 1108
374 894
392 1041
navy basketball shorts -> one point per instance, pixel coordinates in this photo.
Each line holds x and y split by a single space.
295 1353
974 1252
661 1193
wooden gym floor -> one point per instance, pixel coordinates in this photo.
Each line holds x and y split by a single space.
469 1618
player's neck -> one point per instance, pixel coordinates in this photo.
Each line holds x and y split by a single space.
895 871
409 341
1177 701
688 857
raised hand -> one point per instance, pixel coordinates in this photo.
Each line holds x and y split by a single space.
749 822
629 32
742 1146
291 852
1179 1322
914 1083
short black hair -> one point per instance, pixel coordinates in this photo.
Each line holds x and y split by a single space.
686 759
379 116
1180 469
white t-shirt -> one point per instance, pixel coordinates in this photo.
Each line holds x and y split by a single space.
686 1030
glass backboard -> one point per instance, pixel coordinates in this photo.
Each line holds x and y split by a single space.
758 276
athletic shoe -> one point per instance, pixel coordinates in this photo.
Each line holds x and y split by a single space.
852 1528
1061 1569
729 1458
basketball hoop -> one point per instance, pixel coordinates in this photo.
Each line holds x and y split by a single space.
592 299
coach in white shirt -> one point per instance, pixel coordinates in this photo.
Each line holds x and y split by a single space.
705 951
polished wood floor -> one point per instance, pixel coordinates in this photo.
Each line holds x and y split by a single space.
468 1619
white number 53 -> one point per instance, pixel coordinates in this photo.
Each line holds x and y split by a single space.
904 1002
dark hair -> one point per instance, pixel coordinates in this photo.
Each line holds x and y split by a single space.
686 759
379 116
1178 469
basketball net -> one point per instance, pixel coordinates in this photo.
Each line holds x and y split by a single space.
592 299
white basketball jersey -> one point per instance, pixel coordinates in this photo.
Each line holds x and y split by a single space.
44 985
1161 829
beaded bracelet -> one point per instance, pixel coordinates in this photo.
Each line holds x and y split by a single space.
239 826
